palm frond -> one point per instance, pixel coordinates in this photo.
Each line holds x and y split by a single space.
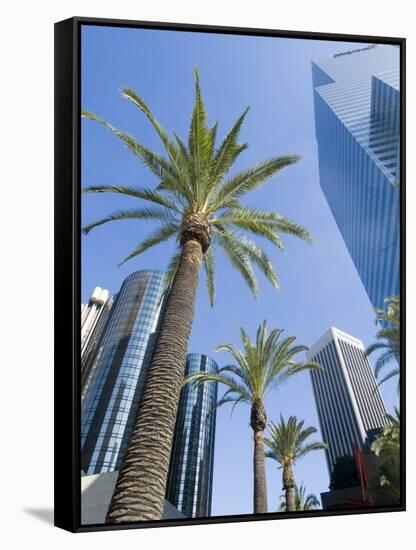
140 193
163 233
383 360
199 143
317 446
250 179
229 149
132 96
159 166
391 374
248 248
170 272
199 378
148 213
287 441
239 259
209 267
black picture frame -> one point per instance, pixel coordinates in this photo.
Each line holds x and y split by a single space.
68 268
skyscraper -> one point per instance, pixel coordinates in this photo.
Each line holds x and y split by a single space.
190 478
94 316
91 315
112 392
116 380
357 123
346 394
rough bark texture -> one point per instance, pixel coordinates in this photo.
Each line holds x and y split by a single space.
196 226
258 423
141 485
289 488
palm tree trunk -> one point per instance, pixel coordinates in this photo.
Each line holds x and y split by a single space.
289 487
141 484
259 467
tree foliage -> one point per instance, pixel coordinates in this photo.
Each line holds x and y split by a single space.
388 339
194 183
344 474
288 441
303 501
387 448
262 365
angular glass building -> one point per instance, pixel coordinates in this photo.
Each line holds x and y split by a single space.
357 123
349 404
115 382
190 478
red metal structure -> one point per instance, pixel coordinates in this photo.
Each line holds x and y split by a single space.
362 464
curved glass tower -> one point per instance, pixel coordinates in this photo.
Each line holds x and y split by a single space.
115 384
190 477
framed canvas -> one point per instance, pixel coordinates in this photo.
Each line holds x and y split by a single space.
230 282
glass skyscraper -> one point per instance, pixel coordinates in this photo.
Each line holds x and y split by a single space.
357 122
190 478
115 383
349 404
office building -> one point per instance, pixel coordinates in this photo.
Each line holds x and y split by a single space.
115 384
190 478
348 401
357 122
94 317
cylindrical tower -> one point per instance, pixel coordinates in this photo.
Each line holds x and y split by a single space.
192 461
115 386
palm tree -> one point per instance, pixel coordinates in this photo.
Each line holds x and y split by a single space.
286 445
261 366
388 338
197 204
387 448
302 501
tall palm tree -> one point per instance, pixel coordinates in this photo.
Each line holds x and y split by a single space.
388 339
198 204
287 445
261 366
302 500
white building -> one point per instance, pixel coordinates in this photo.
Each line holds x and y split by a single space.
90 315
96 493
347 397
94 316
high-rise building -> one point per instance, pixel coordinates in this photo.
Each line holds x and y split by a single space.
94 317
118 367
190 478
92 314
349 404
357 123
116 381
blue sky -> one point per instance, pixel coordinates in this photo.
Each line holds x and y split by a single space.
319 284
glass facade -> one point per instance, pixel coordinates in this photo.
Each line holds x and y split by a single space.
347 397
190 478
357 122
115 383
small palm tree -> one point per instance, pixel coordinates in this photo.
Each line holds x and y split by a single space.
286 445
302 500
196 203
261 366
388 338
